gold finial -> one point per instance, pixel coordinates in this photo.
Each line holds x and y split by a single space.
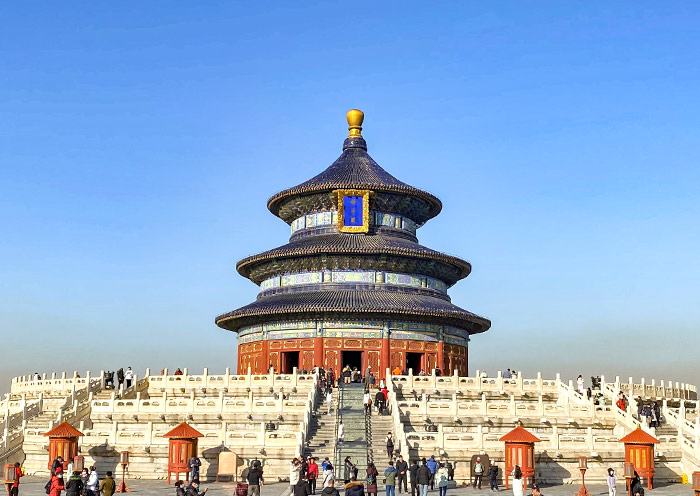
355 118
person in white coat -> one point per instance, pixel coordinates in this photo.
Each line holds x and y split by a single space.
517 481
93 482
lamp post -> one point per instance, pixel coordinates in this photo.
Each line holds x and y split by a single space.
583 466
124 460
696 483
629 475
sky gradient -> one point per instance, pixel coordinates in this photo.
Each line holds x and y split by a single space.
139 144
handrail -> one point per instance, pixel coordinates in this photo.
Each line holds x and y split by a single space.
339 406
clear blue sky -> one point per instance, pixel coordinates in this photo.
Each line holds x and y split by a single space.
139 144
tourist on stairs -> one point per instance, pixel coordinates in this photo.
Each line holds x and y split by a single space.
432 466
389 445
349 470
312 474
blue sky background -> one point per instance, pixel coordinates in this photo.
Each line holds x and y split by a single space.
140 142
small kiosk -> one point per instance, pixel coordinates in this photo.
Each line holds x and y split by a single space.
63 441
639 451
520 450
182 445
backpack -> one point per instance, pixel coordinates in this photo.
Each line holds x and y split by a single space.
48 486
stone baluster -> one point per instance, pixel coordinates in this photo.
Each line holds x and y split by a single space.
113 434
499 381
555 437
454 405
424 404
484 406
513 409
540 403
539 382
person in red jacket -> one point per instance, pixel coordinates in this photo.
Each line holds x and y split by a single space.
18 473
312 474
57 484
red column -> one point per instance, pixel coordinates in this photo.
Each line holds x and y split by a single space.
265 358
440 359
318 352
384 358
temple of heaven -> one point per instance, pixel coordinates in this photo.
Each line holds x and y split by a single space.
353 286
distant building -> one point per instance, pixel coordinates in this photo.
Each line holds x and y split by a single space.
353 286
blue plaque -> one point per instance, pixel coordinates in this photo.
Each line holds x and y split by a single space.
352 211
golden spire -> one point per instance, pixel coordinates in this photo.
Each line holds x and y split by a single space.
355 118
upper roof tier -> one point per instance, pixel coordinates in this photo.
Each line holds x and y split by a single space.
355 169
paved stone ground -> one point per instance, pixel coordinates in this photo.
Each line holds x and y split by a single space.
34 486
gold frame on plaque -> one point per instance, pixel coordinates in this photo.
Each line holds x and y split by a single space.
364 193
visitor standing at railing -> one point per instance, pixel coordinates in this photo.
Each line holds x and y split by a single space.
120 378
580 386
128 377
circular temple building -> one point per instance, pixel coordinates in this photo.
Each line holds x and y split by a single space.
353 286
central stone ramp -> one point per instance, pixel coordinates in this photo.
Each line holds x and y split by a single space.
352 413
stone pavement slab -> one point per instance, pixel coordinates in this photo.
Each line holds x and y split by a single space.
34 486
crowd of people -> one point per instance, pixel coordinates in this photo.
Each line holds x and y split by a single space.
85 482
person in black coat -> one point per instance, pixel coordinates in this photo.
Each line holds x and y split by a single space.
402 475
380 401
493 477
424 474
302 488
413 475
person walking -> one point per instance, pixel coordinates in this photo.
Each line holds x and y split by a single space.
294 474
517 481
372 474
493 477
367 402
56 485
432 466
93 482
442 477
390 479
329 400
612 482
14 491
402 475
312 474
74 486
108 485
193 464
341 432
255 479
328 476
389 445
348 469
330 489
423 478
478 473
379 402
413 475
